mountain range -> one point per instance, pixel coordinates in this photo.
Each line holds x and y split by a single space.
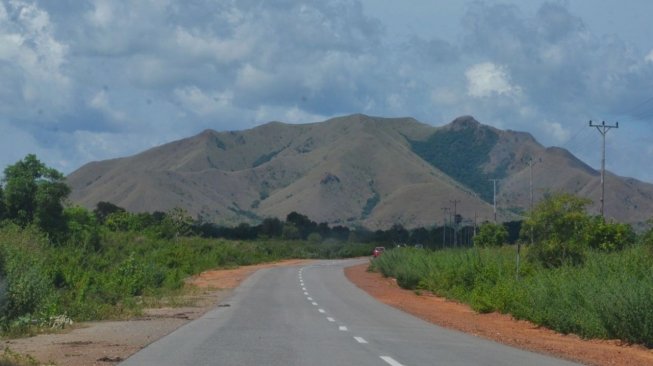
354 170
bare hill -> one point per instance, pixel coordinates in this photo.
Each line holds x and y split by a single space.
353 170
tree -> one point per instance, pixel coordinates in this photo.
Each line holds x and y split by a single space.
2 204
104 209
398 234
558 223
271 227
491 235
290 231
83 229
608 236
303 224
34 193
180 221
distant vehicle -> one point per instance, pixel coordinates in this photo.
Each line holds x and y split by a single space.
378 251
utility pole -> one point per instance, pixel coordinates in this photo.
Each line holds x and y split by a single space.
530 165
603 129
455 226
445 210
494 181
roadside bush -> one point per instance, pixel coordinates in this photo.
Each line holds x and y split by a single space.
608 236
558 224
555 252
491 235
25 284
608 296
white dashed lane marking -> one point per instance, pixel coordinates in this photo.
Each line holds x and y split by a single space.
391 361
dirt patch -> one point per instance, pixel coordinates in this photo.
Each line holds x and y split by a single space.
111 342
497 327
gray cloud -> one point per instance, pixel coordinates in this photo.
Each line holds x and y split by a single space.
105 78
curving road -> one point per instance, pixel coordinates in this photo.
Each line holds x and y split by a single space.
312 315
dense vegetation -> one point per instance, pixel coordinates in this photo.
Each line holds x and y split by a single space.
57 259
461 154
582 275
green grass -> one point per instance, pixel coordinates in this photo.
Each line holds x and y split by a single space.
39 280
11 358
609 296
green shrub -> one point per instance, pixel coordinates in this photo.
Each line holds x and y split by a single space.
491 235
608 296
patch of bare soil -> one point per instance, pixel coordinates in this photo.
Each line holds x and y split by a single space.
497 327
110 342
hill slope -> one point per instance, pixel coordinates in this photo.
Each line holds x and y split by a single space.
353 170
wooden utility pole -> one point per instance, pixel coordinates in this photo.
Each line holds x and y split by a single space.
494 198
445 210
455 226
603 129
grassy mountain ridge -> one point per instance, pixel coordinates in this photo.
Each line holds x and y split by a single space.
351 170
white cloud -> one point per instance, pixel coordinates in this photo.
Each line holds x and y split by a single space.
557 131
209 46
114 71
32 61
487 79
444 96
100 102
102 13
649 57
201 103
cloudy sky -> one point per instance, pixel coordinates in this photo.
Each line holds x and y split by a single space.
97 79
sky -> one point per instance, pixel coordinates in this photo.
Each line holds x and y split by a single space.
90 80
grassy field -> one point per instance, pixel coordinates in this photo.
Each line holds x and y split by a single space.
40 281
608 296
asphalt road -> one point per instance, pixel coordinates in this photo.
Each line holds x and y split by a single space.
312 315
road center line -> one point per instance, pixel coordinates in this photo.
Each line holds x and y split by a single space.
305 293
391 361
360 340
343 328
309 298
314 303
331 319
321 311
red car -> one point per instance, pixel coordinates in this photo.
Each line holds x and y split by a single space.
377 251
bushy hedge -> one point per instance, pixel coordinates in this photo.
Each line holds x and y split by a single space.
86 280
608 296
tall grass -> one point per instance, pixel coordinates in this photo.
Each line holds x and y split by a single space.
609 296
38 280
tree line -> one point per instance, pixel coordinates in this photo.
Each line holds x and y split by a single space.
33 194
